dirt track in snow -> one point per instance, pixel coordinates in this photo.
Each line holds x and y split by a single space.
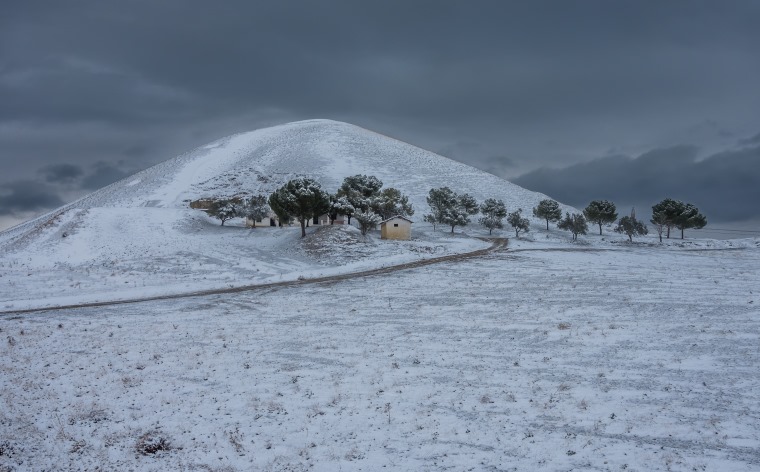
497 244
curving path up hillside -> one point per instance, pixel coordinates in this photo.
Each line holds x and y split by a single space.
496 245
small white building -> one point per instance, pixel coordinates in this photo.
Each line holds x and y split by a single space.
324 220
270 220
396 227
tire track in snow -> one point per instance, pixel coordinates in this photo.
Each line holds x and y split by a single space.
496 245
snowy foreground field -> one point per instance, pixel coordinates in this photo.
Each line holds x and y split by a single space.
583 358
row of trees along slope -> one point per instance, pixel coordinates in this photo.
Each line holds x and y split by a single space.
452 209
667 214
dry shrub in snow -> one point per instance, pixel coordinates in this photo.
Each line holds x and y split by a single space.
151 443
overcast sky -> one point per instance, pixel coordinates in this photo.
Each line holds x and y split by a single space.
624 100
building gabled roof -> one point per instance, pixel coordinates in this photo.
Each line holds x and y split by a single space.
397 216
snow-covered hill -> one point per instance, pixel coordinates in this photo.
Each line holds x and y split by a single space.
261 160
139 235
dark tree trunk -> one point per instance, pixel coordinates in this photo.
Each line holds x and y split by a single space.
452 228
668 232
681 233
600 229
547 224
303 227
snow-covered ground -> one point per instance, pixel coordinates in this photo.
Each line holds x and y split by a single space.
148 252
549 356
597 354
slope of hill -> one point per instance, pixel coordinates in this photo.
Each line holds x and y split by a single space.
261 160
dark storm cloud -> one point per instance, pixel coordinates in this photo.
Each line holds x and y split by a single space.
431 60
528 83
725 186
103 174
753 140
26 196
61 173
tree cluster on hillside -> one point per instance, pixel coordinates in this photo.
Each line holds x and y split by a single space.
364 194
302 199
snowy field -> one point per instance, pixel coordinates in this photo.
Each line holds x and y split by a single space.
582 357
160 252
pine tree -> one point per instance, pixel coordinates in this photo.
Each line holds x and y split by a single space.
690 217
391 202
223 210
630 226
600 212
340 206
518 223
302 199
439 199
367 220
666 212
493 211
459 213
360 190
548 210
660 222
574 223
255 208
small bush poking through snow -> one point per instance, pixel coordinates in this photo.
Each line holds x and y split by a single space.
151 443
563 325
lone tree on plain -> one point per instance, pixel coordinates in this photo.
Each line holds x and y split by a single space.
574 223
302 199
223 210
367 220
548 210
450 208
600 212
518 222
493 212
630 226
255 208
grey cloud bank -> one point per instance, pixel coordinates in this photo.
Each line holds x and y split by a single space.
511 87
725 186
